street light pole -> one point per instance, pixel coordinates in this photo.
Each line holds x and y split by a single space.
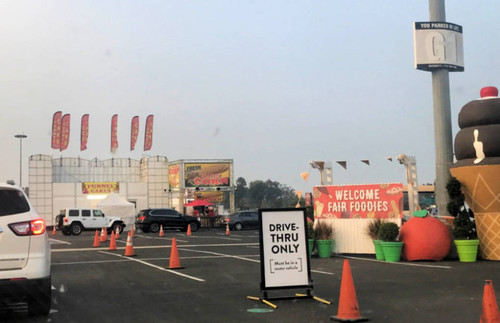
21 137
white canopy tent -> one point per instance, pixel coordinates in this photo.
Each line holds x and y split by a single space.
115 205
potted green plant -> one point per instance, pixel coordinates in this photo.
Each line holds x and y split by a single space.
310 237
464 227
372 231
388 233
323 234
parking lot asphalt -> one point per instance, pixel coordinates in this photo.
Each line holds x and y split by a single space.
98 285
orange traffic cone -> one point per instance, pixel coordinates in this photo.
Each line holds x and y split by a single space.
106 234
129 248
131 232
103 237
54 230
348 303
175 262
489 312
96 239
117 233
227 228
112 242
188 230
161 234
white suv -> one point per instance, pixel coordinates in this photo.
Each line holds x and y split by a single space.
24 252
74 221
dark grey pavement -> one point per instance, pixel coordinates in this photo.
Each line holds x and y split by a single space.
97 285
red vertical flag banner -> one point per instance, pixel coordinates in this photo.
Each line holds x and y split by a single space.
148 133
84 133
65 124
134 133
114 133
56 130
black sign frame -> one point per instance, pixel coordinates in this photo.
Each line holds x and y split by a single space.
264 286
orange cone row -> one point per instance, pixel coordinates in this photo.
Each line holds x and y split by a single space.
129 248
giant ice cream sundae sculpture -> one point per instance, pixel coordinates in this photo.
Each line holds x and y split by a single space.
477 150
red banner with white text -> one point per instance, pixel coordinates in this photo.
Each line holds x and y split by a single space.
134 132
148 133
65 131
84 133
358 201
56 130
114 133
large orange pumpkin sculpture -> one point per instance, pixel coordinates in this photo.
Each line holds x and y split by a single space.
425 238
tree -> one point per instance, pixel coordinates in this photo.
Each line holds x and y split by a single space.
240 195
260 194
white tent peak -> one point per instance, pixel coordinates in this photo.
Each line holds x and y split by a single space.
116 205
113 199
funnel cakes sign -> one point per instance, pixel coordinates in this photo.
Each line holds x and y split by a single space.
358 201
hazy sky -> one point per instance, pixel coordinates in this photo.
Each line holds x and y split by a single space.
270 84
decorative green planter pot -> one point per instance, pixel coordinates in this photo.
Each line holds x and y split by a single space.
379 251
392 250
467 250
311 246
325 248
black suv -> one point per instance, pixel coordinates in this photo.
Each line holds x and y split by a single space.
151 220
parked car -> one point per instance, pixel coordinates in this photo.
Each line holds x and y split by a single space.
151 220
244 220
24 252
74 221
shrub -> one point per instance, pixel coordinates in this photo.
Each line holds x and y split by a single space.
389 231
464 226
323 231
373 228
310 230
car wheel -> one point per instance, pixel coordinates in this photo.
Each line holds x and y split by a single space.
238 226
194 226
76 228
39 301
117 225
154 227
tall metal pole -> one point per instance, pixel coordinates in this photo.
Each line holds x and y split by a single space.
442 120
21 137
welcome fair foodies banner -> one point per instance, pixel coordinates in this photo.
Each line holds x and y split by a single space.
358 201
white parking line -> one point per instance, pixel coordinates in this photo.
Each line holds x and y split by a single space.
399 263
247 259
158 246
222 254
55 241
155 266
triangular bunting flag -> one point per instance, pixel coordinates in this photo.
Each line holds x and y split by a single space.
342 163
366 161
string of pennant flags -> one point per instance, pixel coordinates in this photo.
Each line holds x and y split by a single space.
342 163
61 132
